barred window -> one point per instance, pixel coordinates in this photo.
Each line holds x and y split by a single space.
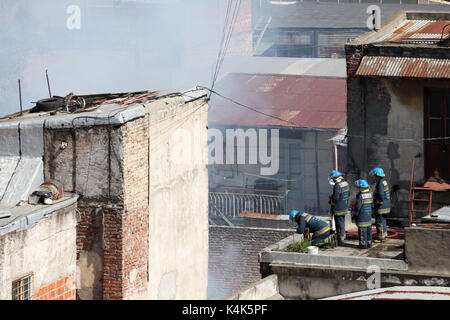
22 288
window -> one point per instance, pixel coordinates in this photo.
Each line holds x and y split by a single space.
22 288
439 117
437 131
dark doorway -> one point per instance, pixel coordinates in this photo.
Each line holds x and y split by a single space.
437 133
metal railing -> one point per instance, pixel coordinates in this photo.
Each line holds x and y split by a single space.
232 204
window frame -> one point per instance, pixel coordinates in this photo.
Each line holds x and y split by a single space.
20 287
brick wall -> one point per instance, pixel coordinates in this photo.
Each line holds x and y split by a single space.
233 257
136 199
115 228
62 289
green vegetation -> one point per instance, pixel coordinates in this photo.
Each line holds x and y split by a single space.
299 246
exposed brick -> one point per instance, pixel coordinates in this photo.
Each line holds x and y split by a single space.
233 257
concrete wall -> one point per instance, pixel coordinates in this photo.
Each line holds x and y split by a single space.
233 257
310 282
385 119
33 251
428 250
178 210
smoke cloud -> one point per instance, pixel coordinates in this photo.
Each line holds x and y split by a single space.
101 46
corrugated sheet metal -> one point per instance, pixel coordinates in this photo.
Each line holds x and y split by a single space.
402 67
280 100
417 29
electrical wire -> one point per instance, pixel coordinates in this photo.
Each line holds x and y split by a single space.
320 129
226 36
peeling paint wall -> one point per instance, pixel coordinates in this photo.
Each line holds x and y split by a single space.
34 251
386 129
178 212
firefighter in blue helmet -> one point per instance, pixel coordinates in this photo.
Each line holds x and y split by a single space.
319 228
339 204
363 214
382 203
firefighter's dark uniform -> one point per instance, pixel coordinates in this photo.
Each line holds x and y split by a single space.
319 228
339 206
382 207
363 213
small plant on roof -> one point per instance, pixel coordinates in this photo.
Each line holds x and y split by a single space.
298 246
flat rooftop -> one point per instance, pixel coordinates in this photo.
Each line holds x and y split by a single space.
388 255
27 215
96 109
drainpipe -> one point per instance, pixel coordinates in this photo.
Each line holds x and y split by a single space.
363 102
316 142
335 156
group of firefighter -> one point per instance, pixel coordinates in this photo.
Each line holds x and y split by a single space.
366 204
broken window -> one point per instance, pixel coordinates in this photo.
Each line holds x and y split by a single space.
22 288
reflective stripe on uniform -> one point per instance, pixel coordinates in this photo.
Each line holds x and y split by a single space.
340 213
363 224
308 218
320 232
383 211
367 202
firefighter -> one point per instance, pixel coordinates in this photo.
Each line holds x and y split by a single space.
363 214
382 203
319 228
339 204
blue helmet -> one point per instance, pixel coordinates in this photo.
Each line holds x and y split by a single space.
361 183
334 174
377 172
293 214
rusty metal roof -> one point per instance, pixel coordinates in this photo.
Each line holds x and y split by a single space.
413 29
281 100
403 67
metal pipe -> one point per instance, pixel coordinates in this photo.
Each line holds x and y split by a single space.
48 84
20 98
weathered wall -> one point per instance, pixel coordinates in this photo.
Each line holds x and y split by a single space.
233 257
309 282
108 167
428 250
34 251
385 119
297 169
135 223
178 212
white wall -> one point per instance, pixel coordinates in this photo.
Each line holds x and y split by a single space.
48 250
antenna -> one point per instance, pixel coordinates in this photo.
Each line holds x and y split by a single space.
20 98
48 84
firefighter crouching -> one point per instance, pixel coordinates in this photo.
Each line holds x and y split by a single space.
382 203
339 204
320 229
363 214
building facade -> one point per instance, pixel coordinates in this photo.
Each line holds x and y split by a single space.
398 104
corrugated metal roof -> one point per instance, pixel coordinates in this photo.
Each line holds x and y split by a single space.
404 67
281 100
417 29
